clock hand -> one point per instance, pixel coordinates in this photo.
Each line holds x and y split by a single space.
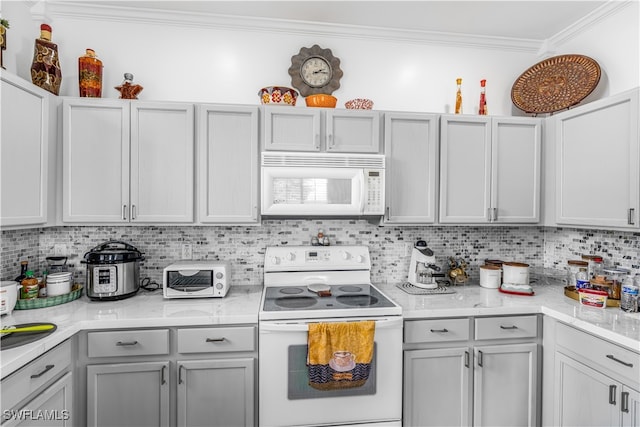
320 71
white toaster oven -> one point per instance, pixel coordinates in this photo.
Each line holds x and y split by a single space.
196 279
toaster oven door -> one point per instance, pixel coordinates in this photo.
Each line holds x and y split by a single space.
185 283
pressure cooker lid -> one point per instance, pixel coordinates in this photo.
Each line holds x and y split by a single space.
111 252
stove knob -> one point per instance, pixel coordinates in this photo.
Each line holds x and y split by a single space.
291 256
345 255
275 260
360 258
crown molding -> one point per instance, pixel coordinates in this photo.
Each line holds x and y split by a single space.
124 14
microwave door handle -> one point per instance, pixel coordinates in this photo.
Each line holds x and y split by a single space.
362 191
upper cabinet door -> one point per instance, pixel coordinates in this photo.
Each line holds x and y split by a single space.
465 174
349 131
411 148
162 162
228 164
95 161
598 163
291 129
515 170
24 152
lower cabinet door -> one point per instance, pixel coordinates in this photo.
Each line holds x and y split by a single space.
506 385
584 396
52 408
437 387
128 394
630 407
216 393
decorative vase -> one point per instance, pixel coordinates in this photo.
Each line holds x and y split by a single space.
3 42
90 75
45 68
127 89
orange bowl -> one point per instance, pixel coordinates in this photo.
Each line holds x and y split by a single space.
321 100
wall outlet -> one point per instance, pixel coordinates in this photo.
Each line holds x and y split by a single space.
408 247
59 249
187 251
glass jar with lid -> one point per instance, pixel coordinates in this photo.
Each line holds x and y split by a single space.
596 264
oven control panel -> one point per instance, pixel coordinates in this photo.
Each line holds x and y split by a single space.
303 258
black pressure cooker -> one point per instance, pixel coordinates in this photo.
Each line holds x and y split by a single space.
113 271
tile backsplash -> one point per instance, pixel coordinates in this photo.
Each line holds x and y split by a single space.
244 246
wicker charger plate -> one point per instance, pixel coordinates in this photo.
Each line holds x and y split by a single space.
555 84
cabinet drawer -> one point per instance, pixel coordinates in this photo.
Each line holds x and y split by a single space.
214 340
595 350
437 330
490 328
32 376
128 343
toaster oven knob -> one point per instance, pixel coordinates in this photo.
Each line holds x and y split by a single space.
291 256
219 285
219 276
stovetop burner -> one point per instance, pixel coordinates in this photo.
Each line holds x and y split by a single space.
291 291
295 302
350 288
357 300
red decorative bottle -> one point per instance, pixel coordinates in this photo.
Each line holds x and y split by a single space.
45 68
90 75
482 109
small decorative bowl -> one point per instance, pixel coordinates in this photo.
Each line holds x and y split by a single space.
359 104
321 100
278 95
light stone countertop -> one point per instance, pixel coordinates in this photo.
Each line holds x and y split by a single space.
241 306
144 310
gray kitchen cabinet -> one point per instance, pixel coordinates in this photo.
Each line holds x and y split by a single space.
411 148
216 393
128 394
598 159
127 162
312 129
44 384
490 169
24 152
595 382
228 164
481 371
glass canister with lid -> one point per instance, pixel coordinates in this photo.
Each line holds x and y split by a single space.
616 275
596 265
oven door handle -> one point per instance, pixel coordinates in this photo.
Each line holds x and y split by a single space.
275 326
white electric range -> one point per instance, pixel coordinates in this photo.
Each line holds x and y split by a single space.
307 284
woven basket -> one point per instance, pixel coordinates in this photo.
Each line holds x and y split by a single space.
555 84
28 304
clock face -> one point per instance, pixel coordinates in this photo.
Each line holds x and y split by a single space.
316 71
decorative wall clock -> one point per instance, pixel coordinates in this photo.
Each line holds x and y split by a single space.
315 70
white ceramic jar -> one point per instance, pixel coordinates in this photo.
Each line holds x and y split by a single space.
8 296
516 273
490 276
58 284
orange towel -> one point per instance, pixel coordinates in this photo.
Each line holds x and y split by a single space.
340 354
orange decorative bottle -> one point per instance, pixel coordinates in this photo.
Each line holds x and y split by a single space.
127 89
90 75
482 109
459 96
45 68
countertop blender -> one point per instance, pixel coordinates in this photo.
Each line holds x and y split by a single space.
422 267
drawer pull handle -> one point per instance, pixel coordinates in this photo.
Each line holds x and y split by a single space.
216 339
508 327
46 369
126 343
480 358
624 405
612 394
164 368
439 331
612 357
466 359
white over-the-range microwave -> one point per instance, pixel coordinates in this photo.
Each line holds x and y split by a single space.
322 184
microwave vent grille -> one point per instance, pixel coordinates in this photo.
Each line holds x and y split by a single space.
324 160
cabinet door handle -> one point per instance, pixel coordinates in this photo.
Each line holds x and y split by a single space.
439 331
126 343
466 359
46 369
490 214
508 327
480 358
163 379
495 214
631 215
331 143
612 357
216 339
180 374
317 141
624 404
388 212
124 212
612 394
133 212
